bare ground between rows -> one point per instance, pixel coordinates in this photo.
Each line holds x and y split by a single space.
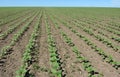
68 57
6 26
108 35
43 56
108 50
14 60
9 38
106 69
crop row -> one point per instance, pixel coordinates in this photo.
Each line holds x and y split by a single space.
85 63
108 58
12 18
98 37
115 25
6 50
30 50
55 63
116 38
90 31
97 22
84 23
11 29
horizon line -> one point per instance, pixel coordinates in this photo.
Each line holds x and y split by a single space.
64 6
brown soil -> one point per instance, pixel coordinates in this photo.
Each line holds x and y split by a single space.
106 69
108 35
13 61
71 67
9 38
103 24
43 57
108 50
13 22
68 57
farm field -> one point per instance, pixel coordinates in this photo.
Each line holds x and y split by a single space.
59 42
